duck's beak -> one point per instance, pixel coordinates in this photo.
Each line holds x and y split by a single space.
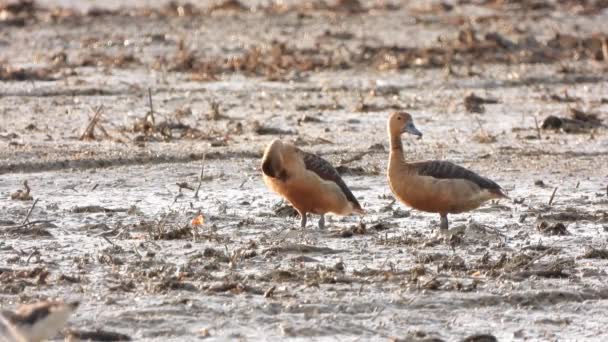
411 129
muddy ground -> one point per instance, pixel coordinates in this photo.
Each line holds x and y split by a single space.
107 219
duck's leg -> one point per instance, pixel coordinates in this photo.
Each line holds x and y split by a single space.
443 225
303 220
322 222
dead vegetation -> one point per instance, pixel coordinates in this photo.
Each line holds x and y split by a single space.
595 253
10 73
578 122
279 61
570 214
15 281
474 103
23 194
493 48
150 128
482 136
552 229
96 335
89 132
17 13
99 59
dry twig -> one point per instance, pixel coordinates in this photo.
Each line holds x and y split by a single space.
200 180
552 196
151 113
29 212
89 132
537 128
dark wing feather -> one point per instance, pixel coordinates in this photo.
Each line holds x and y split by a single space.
324 170
444 169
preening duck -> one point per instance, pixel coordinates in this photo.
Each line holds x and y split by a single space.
433 186
307 181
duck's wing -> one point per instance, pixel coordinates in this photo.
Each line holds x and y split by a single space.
448 170
327 172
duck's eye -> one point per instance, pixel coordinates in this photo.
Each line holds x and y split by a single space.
399 118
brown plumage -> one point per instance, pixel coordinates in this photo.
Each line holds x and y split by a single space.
433 186
36 322
307 181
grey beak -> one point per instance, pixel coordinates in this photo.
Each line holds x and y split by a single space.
411 129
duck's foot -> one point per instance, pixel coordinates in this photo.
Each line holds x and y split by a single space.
322 222
303 220
443 223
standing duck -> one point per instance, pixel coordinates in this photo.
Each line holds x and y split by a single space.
307 181
433 186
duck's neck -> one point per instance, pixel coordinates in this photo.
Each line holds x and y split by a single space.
396 143
396 159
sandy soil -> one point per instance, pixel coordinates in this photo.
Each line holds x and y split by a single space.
113 204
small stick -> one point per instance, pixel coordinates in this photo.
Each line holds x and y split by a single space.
483 131
552 196
537 127
151 107
194 232
179 195
161 225
29 212
136 250
605 49
110 241
215 111
107 232
88 132
34 252
103 130
377 314
200 180
31 223
270 292
542 255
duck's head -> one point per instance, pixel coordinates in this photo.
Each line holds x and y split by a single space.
402 122
275 156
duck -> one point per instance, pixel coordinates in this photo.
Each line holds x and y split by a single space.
308 182
36 321
434 186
